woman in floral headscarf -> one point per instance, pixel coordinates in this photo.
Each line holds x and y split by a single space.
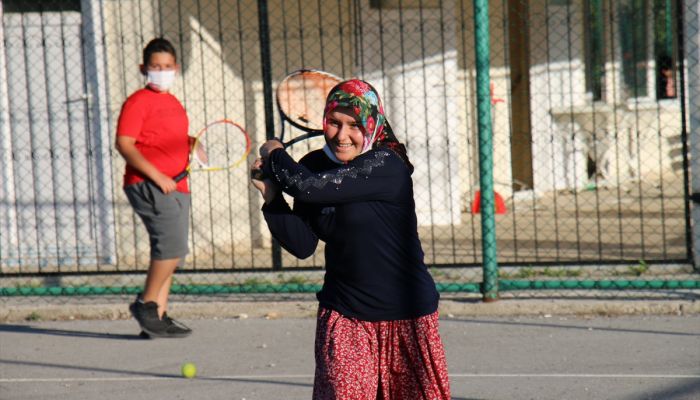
377 331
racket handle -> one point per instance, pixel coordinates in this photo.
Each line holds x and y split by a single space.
180 176
257 174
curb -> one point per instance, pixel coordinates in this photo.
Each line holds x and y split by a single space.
307 309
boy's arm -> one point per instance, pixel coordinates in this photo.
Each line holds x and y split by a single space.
126 146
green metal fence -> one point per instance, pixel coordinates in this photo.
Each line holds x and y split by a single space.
550 138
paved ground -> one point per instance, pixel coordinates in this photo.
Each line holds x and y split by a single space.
254 348
629 357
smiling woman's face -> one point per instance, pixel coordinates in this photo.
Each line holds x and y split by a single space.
344 134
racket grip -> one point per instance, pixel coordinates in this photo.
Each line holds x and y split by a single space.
257 174
180 176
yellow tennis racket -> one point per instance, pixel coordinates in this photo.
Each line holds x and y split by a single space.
220 145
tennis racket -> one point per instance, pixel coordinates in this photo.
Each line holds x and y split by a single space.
301 99
220 145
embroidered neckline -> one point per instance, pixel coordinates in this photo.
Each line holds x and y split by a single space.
318 181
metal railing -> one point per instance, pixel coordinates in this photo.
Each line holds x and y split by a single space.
590 153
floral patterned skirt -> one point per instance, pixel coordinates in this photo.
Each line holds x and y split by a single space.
397 360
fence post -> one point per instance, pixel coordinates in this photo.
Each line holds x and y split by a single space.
266 65
690 55
489 288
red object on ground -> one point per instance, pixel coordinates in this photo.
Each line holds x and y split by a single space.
500 205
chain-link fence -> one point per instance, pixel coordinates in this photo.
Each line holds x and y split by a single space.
588 109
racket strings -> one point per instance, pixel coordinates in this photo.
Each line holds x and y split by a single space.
222 145
302 97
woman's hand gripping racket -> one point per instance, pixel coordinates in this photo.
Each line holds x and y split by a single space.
301 100
221 145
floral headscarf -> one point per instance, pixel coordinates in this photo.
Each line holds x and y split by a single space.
361 97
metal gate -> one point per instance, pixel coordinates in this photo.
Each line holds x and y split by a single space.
588 112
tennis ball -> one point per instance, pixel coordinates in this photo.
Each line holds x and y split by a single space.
189 370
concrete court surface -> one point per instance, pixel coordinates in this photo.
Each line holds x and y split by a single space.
489 357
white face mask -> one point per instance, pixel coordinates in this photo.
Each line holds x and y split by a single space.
161 81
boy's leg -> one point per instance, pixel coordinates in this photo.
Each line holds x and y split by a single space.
150 309
166 218
163 296
158 280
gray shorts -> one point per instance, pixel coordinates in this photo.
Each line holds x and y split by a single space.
166 218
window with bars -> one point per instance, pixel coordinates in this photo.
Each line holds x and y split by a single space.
594 48
643 51
633 46
665 49
23 6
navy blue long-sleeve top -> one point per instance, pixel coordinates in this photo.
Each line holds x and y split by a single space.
365 213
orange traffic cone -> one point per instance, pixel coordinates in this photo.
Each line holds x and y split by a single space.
500 205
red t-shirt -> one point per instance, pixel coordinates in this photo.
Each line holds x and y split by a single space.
159 124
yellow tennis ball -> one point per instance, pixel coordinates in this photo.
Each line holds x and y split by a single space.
189 370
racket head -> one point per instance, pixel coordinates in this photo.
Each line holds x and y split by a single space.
301 100
199 153
222 144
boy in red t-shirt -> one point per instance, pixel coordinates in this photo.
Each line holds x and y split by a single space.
152 137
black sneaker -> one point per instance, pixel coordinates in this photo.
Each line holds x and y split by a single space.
176 328
153 326
137 310
147 316
133 308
